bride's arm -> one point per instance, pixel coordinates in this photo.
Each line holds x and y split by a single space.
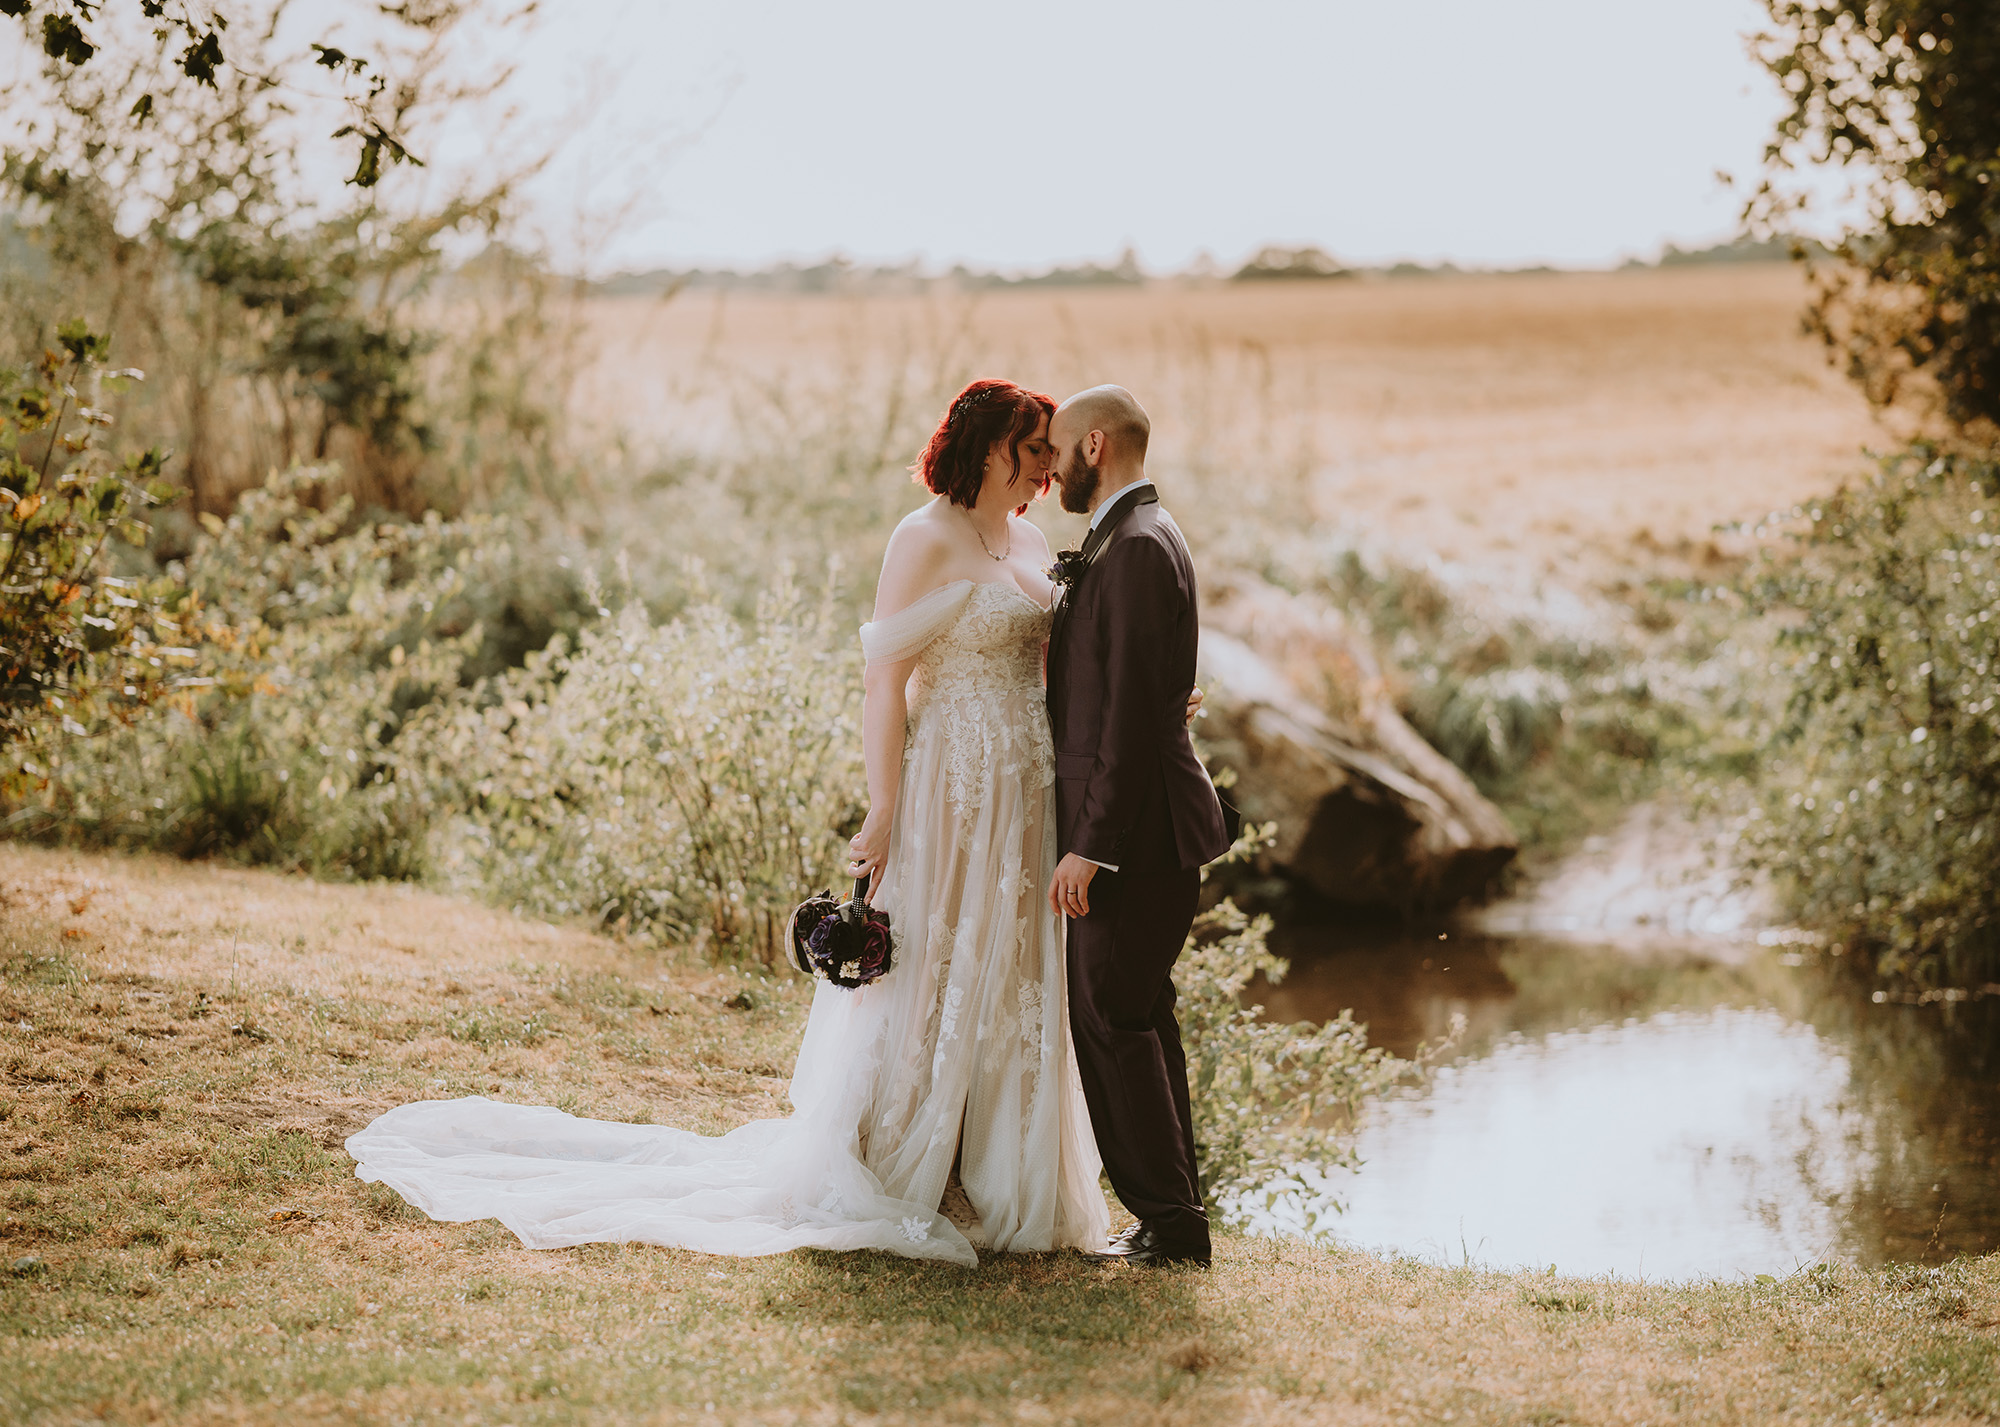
884 712
912 563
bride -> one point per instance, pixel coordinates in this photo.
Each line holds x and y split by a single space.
960 1056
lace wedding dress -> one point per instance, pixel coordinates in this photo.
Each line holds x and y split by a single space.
962 1050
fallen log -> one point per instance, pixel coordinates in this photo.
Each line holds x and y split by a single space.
1368 813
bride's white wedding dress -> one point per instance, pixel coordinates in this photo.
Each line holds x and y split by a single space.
963 1049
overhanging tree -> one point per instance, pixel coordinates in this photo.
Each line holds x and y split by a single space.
1905 96
66 30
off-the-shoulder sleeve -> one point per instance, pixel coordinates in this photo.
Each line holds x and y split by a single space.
906 632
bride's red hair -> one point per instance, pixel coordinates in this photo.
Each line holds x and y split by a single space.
989 410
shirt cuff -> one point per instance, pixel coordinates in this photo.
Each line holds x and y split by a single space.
1107 866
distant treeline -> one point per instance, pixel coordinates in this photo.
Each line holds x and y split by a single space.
1269 264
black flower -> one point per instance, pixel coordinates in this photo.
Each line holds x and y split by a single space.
854 952
1068 568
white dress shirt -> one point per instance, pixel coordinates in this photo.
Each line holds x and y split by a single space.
1104 506
1103 509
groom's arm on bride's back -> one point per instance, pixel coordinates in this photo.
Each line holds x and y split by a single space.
1141 599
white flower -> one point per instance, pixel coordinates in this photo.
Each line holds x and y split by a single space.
916 1230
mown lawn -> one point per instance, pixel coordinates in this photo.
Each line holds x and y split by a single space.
185 1047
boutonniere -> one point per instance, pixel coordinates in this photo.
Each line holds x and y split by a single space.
1068 568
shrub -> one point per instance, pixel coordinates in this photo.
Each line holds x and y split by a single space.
1562 710
694 777
1879 806
80 647
320 641
1270 1100
1493 724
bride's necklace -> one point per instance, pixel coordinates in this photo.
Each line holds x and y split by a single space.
982 540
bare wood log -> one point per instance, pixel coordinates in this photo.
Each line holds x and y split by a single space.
1367 812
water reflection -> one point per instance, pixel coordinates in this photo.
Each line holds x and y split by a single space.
1672 1116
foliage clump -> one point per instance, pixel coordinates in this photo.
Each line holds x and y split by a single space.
692 778
1557 709
1272 1102
1905 94
1879 802
318 640
280 327
81 647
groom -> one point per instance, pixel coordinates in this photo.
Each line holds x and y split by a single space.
1136 815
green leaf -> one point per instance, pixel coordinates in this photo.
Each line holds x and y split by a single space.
61 39
328 57
142 110
375 141
32 409
81 343
201 60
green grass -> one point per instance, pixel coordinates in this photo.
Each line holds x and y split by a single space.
182 1238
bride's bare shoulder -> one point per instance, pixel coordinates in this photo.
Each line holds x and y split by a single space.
921 541
918 559
928 522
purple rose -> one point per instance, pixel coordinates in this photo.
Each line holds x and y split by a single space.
1068 568
851 953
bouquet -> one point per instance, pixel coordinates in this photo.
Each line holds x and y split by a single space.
847 943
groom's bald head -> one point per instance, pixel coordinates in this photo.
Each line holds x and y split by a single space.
1112 410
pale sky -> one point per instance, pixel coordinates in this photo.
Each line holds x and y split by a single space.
1021 133
1015 134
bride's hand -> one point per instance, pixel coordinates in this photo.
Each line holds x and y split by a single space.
868 849
1194 705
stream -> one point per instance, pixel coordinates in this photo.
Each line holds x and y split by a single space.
1713 1110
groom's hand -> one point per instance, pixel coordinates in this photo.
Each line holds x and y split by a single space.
1069 893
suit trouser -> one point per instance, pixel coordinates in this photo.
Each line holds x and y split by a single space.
1128 1043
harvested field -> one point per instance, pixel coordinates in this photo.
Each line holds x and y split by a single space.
1562 423
183 1240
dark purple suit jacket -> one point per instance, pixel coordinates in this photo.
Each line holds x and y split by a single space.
1129 790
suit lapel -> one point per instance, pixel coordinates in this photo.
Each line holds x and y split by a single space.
1127 503
1092 544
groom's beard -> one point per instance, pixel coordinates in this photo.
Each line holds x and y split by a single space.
1078 482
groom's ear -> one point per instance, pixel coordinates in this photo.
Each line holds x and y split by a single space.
1093 447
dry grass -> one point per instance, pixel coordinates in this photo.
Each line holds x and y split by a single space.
1572 424
185 1047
